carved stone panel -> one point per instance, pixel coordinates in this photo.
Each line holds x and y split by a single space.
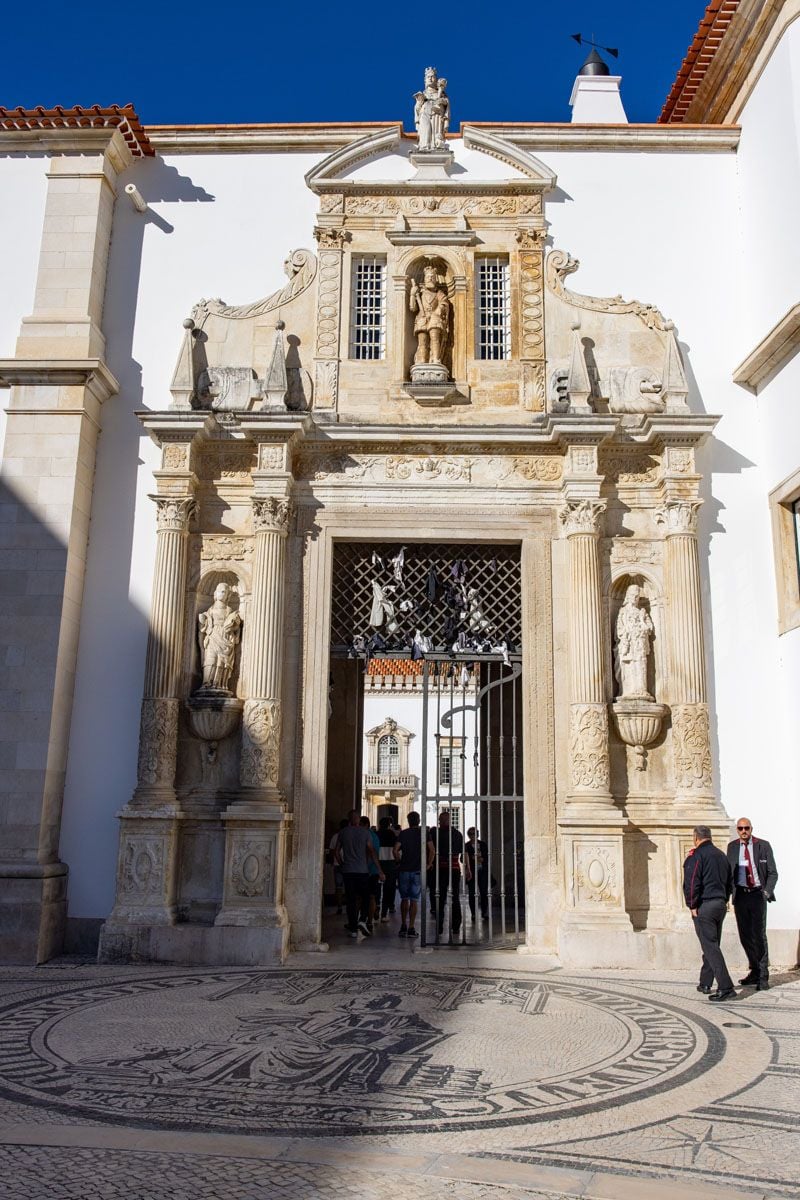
158 739
142 863
588 748
252 865
261 741
691 747
597 873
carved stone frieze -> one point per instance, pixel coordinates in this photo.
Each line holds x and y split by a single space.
560 264
141 870
539 468
478 206
261 740
582 460
331 204
252 866
398 467
597 873
588 747
634 550
226 462
582 516
691 747
679 460
174 513
225 547
632 467
531 299
326 383
530 205
158 740
271 514
679 516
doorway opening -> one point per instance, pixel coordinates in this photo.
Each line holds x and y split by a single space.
425 716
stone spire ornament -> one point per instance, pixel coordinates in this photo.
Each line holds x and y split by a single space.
276 384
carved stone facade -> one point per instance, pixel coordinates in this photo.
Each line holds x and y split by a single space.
594 479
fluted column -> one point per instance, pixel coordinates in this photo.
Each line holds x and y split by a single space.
588 726
261 725
158 735
691 740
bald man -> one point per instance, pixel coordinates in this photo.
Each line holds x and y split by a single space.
754 879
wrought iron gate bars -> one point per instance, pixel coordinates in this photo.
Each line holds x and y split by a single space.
488 802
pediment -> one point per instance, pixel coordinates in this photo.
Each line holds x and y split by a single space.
383 159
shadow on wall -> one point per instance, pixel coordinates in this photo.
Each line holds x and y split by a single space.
101 772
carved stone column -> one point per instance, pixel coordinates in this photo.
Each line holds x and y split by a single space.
591 826
691 742
589 773
531 317
256 824
331 239
147 868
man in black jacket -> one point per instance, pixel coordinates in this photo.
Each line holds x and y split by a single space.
707 884
754 877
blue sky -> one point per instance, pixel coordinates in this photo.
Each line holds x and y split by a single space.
198 62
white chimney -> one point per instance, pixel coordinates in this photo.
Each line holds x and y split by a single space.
595 98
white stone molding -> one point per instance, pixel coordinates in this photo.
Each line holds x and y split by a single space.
774 349
301 268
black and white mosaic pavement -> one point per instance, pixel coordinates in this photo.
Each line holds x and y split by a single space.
302 1052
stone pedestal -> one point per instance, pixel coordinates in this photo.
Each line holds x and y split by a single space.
255 855
595 929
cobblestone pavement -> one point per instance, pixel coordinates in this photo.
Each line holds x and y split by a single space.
377 1073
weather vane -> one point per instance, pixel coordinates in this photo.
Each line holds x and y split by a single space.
582 41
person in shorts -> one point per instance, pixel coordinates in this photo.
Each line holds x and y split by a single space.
408 853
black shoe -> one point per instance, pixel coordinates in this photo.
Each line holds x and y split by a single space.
403 931
763 986
701 987
365 929
748 979
412 932
730 994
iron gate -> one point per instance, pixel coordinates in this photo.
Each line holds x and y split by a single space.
472 888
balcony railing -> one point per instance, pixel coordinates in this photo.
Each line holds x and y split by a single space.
387 782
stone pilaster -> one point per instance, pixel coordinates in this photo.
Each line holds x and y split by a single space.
589 773
691 741
256 825
331 241
531 317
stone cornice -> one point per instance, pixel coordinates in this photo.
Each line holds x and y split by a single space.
113 130
771 352
319 137
59 372
619 137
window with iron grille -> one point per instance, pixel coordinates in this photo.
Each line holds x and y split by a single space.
368 307
493 308
388 755
451 764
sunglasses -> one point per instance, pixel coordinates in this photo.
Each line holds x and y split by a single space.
744 828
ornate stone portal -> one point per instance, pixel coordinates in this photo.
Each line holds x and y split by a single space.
566 428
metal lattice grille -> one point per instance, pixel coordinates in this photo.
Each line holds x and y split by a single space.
491 571
368 308
494 309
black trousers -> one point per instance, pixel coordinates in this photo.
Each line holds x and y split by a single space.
356 898
389 887
751 921
443 880
708 927
483 892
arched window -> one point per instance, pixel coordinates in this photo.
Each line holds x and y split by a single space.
388 755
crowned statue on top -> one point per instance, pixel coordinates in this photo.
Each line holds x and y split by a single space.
432 112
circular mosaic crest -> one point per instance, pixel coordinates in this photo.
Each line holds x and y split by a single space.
321 1052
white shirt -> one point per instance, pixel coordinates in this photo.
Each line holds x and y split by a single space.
743 864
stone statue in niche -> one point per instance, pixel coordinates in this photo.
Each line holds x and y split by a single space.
634 643
219 630
429 302
432 112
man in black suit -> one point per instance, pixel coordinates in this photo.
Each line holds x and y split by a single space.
707 885
754 879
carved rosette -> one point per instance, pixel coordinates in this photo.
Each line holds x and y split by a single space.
252 867
691 743
272 456
271 515
261 741
679 517
173 513
597 873
175 456
582 516
158 739
588 748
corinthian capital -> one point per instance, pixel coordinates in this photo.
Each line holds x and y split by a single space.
582 516
679 516
174 512
271 515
